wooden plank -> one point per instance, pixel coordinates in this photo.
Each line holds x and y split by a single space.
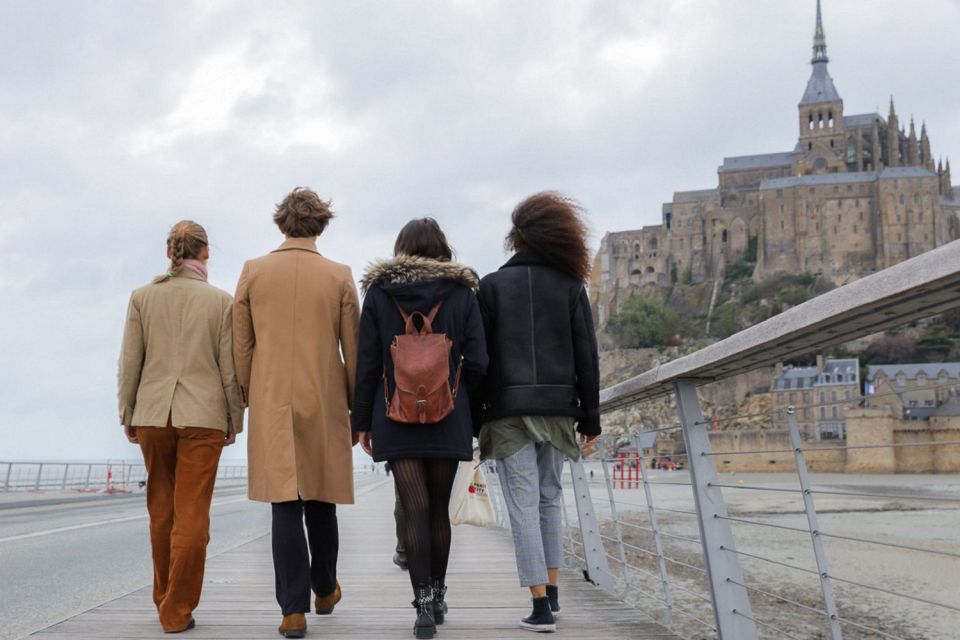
484 595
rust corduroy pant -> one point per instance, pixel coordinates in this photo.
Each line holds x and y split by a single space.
181 469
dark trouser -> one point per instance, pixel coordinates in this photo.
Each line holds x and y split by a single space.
181 466
297 570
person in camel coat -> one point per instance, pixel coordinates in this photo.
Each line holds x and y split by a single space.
295 325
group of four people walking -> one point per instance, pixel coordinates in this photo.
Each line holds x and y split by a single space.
320 374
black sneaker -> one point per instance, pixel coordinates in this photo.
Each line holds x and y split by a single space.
554 594
425 627
541 620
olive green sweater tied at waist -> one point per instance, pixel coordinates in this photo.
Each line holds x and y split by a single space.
504 437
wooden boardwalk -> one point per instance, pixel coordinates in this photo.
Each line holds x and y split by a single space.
484 596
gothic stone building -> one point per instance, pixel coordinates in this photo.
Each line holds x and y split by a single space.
857 193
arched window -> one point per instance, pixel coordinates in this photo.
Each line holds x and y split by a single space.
830 119
723 236
820 120
636 251
653 243
810 124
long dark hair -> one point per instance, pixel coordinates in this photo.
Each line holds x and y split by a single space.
423 237
551 226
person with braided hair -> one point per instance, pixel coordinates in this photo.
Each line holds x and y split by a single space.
180 401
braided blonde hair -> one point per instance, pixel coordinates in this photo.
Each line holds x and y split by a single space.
185 241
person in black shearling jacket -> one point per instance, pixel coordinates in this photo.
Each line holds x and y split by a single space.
543 383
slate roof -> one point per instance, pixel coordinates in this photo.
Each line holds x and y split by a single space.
850 177
862 120
820 87
949 408
906 172
932 369
806 377
694 196
761 161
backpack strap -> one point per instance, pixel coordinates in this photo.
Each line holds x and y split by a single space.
427 320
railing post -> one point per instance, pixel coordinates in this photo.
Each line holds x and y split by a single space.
86 485
66 471
598 570
826 586
39 474
615 517
731 602
6 484
658 544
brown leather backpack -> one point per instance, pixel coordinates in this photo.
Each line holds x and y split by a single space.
421 373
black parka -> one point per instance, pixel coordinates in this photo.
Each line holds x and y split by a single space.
417 284
542 344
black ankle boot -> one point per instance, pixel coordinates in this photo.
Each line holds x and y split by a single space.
424 627
541 619
554 594
439 606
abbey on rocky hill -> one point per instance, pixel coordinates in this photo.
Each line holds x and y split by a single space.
857 193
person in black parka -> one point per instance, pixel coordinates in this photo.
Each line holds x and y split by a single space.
423 457
543 386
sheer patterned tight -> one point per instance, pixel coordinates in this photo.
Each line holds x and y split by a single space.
424 486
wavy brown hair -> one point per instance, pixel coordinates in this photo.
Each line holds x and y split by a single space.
551 226
186 240
303 214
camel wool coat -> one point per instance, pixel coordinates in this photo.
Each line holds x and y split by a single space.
295 324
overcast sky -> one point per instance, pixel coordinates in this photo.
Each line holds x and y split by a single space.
119 118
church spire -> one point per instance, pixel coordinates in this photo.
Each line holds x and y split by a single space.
820 87
819 40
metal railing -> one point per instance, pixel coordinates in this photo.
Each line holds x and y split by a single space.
87 476
744 556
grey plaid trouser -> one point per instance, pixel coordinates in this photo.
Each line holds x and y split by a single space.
533 492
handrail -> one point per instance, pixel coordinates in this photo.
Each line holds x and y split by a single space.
920 287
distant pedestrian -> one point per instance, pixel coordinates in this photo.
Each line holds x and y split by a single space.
543 384
411 407
295 343
179 400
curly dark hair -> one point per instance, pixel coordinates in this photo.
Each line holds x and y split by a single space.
423 237
551 226
302 214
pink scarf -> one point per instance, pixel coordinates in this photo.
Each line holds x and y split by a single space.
197 267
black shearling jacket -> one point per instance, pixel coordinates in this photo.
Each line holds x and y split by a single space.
542 344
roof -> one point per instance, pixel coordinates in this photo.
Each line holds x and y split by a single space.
761 161
931 369
806 377
850 177
820 86
647 439
862 120
949 408
906 172
694 196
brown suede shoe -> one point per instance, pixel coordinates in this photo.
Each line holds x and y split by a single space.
187 627
325 604
293 626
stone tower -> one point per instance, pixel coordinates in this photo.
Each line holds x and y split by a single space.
822 137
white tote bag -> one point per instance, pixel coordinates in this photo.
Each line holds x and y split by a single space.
470 501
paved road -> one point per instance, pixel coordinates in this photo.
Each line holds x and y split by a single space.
61 557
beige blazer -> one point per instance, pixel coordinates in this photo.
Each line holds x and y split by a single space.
295 325
176 360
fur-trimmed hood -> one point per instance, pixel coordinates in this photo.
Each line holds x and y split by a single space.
404 269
